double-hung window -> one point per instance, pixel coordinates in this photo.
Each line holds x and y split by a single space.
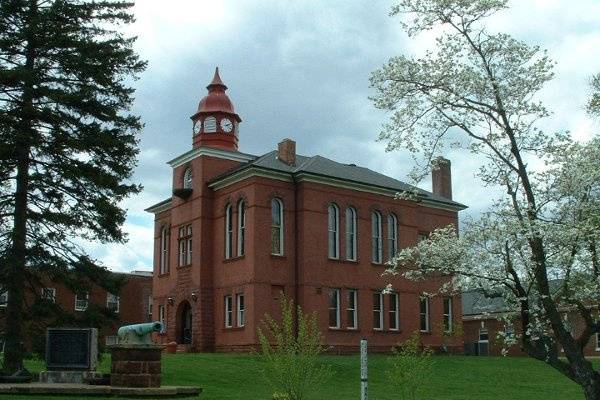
276 227
49 294
185 245
394 311
3 297
228 231
333 213
424 313
228 311
392 225
334 308
351 234
112 302
352 309
448 314
81 301
241 233
376 237
164 251
378 310
241 310
162 317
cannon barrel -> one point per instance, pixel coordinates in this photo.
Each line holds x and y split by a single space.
138 333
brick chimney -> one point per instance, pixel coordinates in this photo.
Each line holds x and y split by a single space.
286 151
441 177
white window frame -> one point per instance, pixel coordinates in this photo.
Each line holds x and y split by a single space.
150 305
187 178
115 300
426 314
448 317
241 233
47 290
228 231
188 254
352 309
333 231
376 233
280 227
241 309
228 299
394 312
3 297
597 341
164 251
351 225
162 315
392 235
334 294
380 311
79 302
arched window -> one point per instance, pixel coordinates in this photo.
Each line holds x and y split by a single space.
228 231
392 229
241 228
276 227
187 179
333 214
351 234
164 251
210 125
376 235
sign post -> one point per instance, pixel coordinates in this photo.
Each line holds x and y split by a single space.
363 370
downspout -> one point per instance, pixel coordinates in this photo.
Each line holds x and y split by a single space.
296 264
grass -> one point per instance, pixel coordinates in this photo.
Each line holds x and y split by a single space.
235 376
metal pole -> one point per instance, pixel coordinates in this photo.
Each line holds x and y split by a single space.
363 370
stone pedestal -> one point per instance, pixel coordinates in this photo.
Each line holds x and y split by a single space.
135 365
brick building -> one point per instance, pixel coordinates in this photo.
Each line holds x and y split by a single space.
132 305
239 230
483 320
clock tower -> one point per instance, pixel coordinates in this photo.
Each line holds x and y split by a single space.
215 124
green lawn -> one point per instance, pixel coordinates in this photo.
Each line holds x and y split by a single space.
233 376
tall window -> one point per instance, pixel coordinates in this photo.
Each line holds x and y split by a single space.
164 251
210 125
241 234
187 179
352 309
49 294
150 305
185 245
333 231
162 316
81 301
351 234
112 302
394 311
448 314
378 310
392 225
376 233
228 311
424 313
597 341
3 297
228 231
241 310
334 308
276 227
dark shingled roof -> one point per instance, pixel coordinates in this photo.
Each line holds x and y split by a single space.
476 303
318 165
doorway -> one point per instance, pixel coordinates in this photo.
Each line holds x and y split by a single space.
185 323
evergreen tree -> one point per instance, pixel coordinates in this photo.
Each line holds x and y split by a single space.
67 143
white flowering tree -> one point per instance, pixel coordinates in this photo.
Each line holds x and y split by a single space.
476 91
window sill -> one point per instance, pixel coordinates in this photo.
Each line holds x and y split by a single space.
378 264
346 330
184 266
280 256
425 332
233 259
164 275
233 328
342 261
388 331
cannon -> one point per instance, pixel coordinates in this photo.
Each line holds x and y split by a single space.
138 333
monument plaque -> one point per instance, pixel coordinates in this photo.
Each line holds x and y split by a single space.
71 349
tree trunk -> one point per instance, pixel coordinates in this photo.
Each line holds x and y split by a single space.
592 389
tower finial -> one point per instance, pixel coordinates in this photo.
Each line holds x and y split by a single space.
216 81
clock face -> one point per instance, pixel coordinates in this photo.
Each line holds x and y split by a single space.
197 127
226 125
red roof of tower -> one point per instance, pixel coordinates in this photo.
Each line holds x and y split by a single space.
216 100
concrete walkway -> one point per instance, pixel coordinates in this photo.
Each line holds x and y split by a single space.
75 389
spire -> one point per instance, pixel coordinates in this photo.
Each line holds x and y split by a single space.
216 82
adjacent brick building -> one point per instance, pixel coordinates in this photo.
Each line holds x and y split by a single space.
239 230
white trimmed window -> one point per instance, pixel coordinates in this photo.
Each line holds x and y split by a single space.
376 236
241 234
392 228
378 311
81 301
210 125
448 315
3 297
424 313
351 234
241 309
49 294
150 305
112 302
394 311
597 341
334 308
187 179
164 251
352 309
228 231
162 317
276 227
185 245
333 213
228 311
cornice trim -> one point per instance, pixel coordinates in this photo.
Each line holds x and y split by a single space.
208 151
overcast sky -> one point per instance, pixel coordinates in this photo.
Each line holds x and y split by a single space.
300 69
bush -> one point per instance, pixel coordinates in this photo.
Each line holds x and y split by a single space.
290 355
410 367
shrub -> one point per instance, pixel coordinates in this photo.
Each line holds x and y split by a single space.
290 353
410 367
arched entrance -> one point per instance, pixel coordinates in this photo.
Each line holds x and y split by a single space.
184 323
